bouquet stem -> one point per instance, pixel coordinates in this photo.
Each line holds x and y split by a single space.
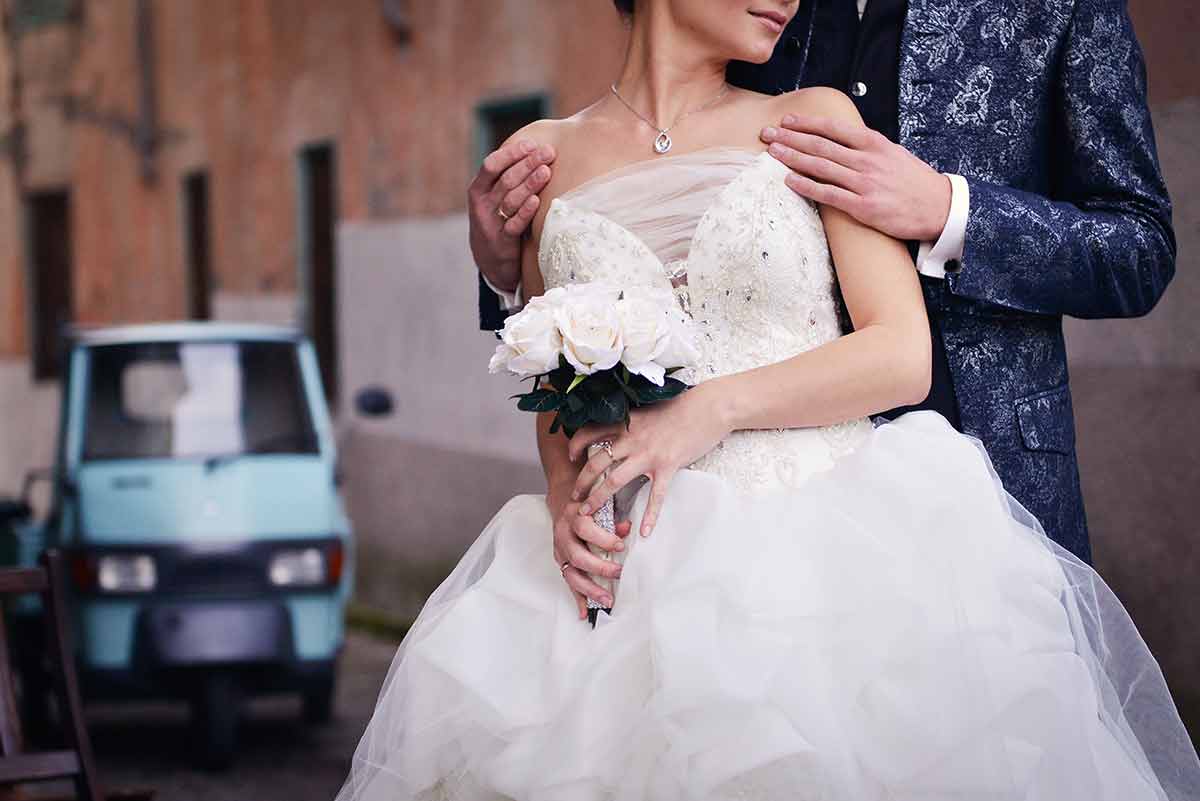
605 517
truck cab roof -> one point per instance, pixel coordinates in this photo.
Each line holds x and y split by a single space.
182 332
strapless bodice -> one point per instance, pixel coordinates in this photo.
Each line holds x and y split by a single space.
748 260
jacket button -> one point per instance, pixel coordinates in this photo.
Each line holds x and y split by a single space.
953 265
794 46
859 89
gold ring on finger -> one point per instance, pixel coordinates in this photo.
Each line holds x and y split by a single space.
504 216
563 567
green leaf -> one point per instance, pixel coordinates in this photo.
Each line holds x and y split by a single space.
609 409
542 400
562 376
575 418
649 393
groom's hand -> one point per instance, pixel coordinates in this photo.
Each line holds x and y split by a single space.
509 181
863 173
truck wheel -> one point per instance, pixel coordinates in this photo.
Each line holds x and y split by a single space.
318 701
216 711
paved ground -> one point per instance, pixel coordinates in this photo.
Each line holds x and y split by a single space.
282 759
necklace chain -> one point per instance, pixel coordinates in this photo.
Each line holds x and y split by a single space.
662 143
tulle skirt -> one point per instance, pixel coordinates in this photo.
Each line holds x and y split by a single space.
896 628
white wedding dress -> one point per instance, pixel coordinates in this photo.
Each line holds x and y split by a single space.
852 613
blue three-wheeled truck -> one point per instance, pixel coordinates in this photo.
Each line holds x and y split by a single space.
195 495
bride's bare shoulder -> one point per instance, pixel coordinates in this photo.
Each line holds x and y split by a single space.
819 101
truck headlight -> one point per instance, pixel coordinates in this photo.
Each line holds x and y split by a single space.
299 567
126 573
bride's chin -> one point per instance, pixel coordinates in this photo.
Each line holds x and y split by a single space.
758 53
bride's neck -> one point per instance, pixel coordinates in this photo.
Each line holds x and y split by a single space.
667 72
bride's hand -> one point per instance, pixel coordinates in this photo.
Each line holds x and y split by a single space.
572 533
661 440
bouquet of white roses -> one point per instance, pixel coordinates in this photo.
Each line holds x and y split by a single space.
601 350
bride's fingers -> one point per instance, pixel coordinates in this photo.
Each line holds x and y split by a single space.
619 476
589 435
596 464
579 582
580 557
586 529
658 496
591 471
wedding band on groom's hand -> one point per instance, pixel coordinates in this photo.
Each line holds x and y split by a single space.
503 216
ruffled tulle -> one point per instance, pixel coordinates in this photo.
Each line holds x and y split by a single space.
896 628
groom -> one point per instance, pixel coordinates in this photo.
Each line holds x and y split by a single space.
1012 141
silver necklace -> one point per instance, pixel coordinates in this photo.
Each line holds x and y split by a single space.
662 143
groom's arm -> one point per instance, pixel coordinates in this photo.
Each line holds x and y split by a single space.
1104 245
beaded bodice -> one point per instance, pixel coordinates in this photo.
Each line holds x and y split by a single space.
748 260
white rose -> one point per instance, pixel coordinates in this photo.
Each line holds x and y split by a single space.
549 300
646 326
529 343
590 329
681 349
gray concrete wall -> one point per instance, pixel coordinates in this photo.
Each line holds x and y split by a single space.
422 484
28 419
1137 404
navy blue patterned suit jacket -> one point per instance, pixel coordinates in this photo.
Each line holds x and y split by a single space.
1041 106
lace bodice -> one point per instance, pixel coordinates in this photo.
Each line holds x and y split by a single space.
748 259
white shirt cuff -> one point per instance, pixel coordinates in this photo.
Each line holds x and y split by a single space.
509 301
932 256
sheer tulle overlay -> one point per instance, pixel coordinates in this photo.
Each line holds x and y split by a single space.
855 613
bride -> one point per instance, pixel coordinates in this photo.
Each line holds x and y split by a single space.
815 606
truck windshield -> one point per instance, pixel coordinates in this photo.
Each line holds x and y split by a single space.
195 400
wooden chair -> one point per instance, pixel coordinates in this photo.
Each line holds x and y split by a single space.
75 761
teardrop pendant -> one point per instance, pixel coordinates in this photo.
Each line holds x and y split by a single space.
663 143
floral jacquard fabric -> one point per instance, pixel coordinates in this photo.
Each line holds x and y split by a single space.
1041 106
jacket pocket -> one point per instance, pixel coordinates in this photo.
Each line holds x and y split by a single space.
1047 420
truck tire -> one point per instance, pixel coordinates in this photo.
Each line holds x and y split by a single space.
216 713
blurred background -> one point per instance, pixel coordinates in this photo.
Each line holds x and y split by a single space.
305 162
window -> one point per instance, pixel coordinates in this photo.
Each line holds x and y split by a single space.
183 400
29 15
318 256
497 120
197 246
48 217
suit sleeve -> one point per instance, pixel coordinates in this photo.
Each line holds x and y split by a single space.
491 315
1102 245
